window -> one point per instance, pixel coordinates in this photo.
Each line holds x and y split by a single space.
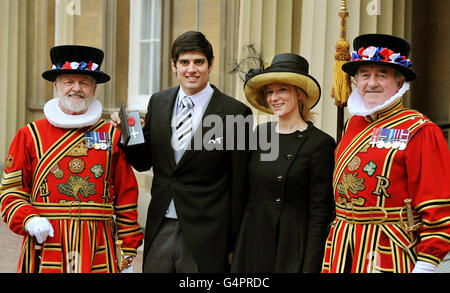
145 47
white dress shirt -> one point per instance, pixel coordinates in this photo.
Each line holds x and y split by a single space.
200 101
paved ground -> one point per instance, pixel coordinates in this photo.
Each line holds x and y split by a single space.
10 244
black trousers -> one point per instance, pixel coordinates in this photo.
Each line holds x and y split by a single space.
169 252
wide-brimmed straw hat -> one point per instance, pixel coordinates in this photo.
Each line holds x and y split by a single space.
285 68
380 49
74 59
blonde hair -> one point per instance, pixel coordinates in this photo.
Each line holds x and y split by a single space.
305 112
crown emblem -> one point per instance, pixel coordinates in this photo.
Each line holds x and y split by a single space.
79 151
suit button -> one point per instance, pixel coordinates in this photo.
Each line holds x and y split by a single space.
289 156
280 178
278 201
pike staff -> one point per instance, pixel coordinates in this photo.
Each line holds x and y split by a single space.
341 84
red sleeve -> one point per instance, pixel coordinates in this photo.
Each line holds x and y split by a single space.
125 203
428 168
16 183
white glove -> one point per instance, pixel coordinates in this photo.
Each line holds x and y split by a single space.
424 267
128 270
40 228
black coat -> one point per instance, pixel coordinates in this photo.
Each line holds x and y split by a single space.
208 187
290 206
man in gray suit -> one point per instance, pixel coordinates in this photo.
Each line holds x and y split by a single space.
198 193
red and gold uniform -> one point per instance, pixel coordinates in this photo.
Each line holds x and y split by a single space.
51 173
370 187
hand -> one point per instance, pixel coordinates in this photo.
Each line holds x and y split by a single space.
424 267
115 120
40 228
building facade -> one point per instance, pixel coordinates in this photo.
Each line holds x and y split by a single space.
136 36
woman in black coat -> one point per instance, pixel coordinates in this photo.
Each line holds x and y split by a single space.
291 200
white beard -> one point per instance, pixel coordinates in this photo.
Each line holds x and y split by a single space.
74 106
58 118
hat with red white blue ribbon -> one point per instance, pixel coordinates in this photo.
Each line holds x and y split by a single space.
381 49
74 59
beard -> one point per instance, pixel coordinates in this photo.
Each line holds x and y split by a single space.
75 106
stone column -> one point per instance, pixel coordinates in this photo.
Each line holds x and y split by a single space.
13 66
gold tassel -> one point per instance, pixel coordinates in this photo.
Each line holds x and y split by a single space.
342 83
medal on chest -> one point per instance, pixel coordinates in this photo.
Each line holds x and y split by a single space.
98 140
389 138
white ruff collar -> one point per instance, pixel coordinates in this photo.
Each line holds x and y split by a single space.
356 106
58 118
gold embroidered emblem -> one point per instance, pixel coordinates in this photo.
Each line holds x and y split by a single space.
77 185
9 161
79 151
57 172
365 148
44 192
106 195
382 185
358 201
76 166
354 164
350 182
12 180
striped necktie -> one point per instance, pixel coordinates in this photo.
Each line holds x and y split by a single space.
183 131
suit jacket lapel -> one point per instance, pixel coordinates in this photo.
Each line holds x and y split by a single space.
164 114
215 107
